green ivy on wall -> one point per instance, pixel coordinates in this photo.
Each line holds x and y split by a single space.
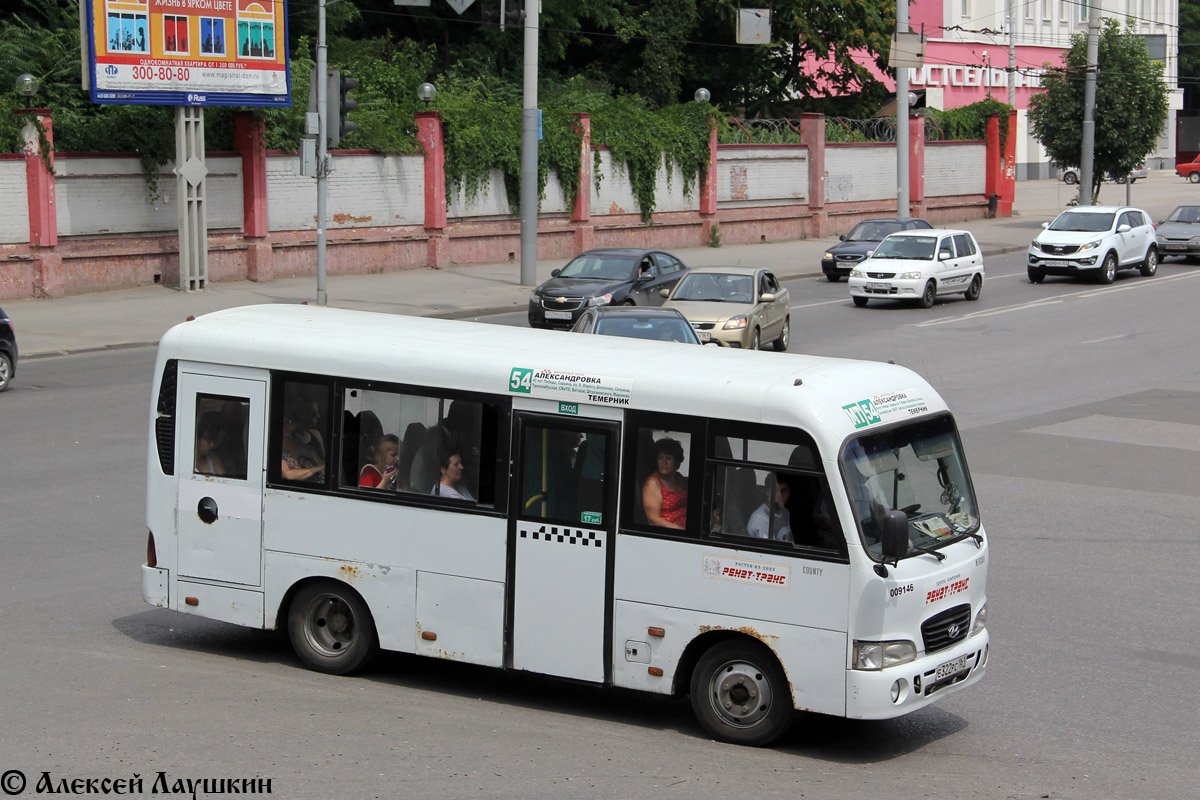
970 122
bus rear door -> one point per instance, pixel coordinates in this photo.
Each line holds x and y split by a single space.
219 464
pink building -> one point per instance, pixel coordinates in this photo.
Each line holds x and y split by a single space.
967 57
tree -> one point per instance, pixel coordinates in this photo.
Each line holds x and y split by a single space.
1131 104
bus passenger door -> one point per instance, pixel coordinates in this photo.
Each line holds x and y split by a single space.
219 464
561 545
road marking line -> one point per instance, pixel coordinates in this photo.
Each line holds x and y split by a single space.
1105 339
1082 295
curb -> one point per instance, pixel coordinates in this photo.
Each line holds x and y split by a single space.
457 314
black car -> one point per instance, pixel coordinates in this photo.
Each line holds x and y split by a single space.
8 351
661 324
860 243
606 276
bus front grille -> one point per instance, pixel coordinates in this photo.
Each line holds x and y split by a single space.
944 629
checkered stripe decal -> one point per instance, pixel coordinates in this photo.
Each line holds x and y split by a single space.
564 536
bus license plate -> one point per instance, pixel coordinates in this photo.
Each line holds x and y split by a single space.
879 287
1055 263
951 668
558 315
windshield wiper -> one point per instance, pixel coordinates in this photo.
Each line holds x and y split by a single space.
938 554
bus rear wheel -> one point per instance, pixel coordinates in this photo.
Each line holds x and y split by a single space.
331 628
740 694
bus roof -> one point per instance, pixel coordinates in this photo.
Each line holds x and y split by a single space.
829 396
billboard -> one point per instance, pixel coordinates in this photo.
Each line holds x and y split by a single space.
188 52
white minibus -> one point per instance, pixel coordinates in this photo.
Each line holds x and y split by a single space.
764 532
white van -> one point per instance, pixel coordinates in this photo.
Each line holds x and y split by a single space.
920 265
762 532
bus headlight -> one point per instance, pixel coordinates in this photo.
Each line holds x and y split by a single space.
980 621
880 655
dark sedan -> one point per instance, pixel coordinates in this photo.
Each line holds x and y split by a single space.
860 243
661 324
8 351
607 276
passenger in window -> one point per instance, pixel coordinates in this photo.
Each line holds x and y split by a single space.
451 483
383 472
771 520
208 431
664 493
303 448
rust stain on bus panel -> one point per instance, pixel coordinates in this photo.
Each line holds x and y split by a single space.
755 634
746 629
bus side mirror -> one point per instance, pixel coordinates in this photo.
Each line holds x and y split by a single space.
895 535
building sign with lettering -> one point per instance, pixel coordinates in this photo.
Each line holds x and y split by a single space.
188 52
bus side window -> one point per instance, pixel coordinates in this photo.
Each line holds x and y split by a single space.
772 490
304 434
563 478
222 427
662 488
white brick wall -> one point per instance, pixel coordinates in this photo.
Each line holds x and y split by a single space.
615 195
14 200
762 176
362 191
858 173
953 169
110 195
492 200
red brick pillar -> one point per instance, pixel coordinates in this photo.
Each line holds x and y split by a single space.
708 187
916 165
994 160
48 279
248 133
1008 178
429 137
812 136
581 212
39 177
708 175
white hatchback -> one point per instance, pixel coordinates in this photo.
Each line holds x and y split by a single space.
920 265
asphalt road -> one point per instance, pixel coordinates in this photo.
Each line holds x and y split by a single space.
1078 407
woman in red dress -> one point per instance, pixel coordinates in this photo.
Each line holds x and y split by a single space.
664 494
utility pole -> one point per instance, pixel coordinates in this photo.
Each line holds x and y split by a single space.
1012 55
1088 150
902 121
529 149
322 148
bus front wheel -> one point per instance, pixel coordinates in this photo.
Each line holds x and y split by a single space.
331 628
740 694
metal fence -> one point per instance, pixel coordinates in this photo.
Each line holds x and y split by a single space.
837 129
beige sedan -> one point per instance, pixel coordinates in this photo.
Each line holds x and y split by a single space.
740 306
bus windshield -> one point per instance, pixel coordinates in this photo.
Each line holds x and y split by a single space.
918 469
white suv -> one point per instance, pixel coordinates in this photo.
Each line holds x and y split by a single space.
1094 241
920 265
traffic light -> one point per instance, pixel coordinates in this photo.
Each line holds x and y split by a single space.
505 12
340 104
514 15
